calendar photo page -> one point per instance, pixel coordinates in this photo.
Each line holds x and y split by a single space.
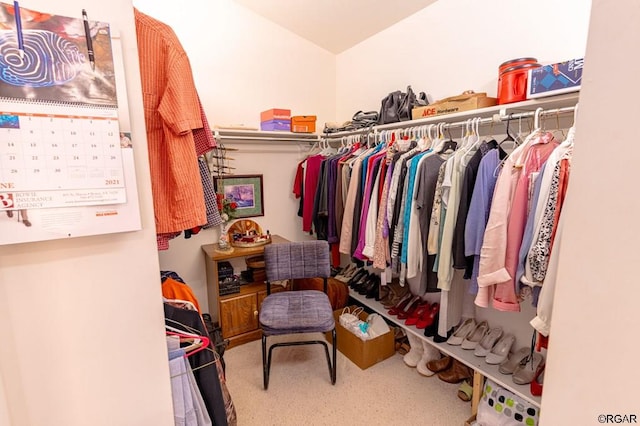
64 171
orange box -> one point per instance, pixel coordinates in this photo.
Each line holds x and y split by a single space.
275 114
303 123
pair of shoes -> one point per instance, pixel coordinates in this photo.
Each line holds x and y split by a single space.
441 339
410 308
527 369
465 391
488 342
438 365
359 275
373 289
429 353
347 273
402 303
417 313
461 333
473 338
428 317
432 329
396 293
500 350
456 373
509 364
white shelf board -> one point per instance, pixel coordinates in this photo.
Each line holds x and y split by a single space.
253 136
465 356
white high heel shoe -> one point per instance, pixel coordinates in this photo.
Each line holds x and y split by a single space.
500 351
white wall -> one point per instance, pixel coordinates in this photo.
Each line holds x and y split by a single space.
591 367
243 64
457 45
83 336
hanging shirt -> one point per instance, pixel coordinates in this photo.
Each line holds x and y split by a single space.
312 174
172 111
479 209
505 229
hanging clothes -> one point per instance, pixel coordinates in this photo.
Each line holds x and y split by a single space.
206 376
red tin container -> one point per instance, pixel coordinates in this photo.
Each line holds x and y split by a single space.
512 83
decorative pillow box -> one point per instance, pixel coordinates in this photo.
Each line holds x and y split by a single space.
275 114
555 79
303 123
280 125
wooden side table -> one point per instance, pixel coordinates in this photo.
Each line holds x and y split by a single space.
237 313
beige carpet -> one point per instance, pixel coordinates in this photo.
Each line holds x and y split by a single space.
300 391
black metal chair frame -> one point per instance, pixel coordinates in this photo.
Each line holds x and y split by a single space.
266 360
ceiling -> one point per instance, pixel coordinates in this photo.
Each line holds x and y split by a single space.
335 25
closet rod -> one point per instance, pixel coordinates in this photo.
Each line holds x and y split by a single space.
496 118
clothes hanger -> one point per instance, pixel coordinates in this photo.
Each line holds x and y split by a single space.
448 145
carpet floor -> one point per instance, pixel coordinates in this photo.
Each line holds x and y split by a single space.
300 391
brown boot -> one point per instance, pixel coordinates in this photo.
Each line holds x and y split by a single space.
438 365
456 373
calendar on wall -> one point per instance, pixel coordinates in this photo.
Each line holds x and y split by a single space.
66 163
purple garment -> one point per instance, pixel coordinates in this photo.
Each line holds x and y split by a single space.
479 211
366 199
332 177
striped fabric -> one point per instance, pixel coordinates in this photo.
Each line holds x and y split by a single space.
308 259
213 214
203 138
288 312
171 112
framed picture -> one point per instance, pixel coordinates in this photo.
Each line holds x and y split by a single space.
245 191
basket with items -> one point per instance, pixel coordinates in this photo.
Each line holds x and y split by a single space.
247 234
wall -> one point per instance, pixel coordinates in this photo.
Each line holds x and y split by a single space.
457 45
83 337
243 64
591 367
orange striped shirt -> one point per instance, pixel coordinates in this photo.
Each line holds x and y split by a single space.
171 111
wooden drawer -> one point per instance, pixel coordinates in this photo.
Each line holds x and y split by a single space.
239 315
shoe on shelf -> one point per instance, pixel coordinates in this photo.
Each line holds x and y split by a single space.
509 365
383 292
357 277
441 339
500 350
462 332
417 313
397 292
432 329
413 357
410 308
429 354
526 370
456 373
439 365
374 290
401 304
428 317
537 382
488 341
347 273
472 340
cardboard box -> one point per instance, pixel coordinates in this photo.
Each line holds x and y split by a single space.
555 79
454 104
275 114
363 353
303 123
279 125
